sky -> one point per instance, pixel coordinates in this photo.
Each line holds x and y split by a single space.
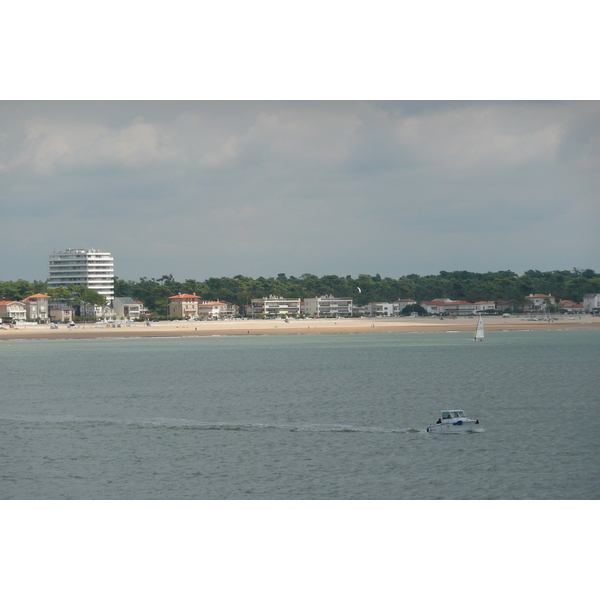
258 140
203 189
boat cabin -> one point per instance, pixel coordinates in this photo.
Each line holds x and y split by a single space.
453 414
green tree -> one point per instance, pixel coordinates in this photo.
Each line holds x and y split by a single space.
411 308
59 293
92 297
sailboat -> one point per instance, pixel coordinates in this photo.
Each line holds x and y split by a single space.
478 337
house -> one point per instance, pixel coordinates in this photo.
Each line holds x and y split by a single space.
461 308
570 307
328 306
441 306
144 313
275 306
36 307
401 304
437 306
379 309
127 308
484 306
512 305
60 310
183 305
95 311
591 303
216 310
538 301
12 310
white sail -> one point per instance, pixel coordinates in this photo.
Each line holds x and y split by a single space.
479 330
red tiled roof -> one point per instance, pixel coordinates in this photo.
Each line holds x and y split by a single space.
36 296
439 302
184 296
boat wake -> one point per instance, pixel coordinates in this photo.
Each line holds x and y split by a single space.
292 427
189 424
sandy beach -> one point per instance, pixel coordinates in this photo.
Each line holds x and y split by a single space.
293 327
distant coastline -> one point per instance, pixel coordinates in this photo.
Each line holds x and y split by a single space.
293 327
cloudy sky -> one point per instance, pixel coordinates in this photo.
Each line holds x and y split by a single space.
220 188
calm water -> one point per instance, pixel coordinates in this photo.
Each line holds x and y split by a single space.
301 417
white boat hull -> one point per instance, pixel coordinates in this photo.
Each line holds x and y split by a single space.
454 426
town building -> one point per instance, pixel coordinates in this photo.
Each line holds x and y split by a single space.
445 306
328 306
12 310
591 303
87 310
484 306
275 306
401 304
437 306
60 310
512 305
127 308
538 301
36 307
378 309
91 268
184 306
216 310
571 307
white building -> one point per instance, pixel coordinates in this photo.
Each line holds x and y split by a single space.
328 306
379 309
401 304
437 306
591 303
445 306
275 306
92 268
11 310
216 310
94 311
485 305
539 301
127 308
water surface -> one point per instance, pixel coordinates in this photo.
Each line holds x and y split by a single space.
336 416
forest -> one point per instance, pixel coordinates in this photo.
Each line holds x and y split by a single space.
457 285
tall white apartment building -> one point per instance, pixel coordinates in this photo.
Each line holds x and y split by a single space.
92 268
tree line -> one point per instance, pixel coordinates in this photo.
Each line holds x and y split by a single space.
458 285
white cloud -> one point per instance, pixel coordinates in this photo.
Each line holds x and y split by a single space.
50 147
479 136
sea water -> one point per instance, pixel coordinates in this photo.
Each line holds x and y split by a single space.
313 416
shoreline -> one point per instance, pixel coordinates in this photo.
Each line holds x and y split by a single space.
294 327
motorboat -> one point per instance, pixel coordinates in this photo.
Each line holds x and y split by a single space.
453 421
